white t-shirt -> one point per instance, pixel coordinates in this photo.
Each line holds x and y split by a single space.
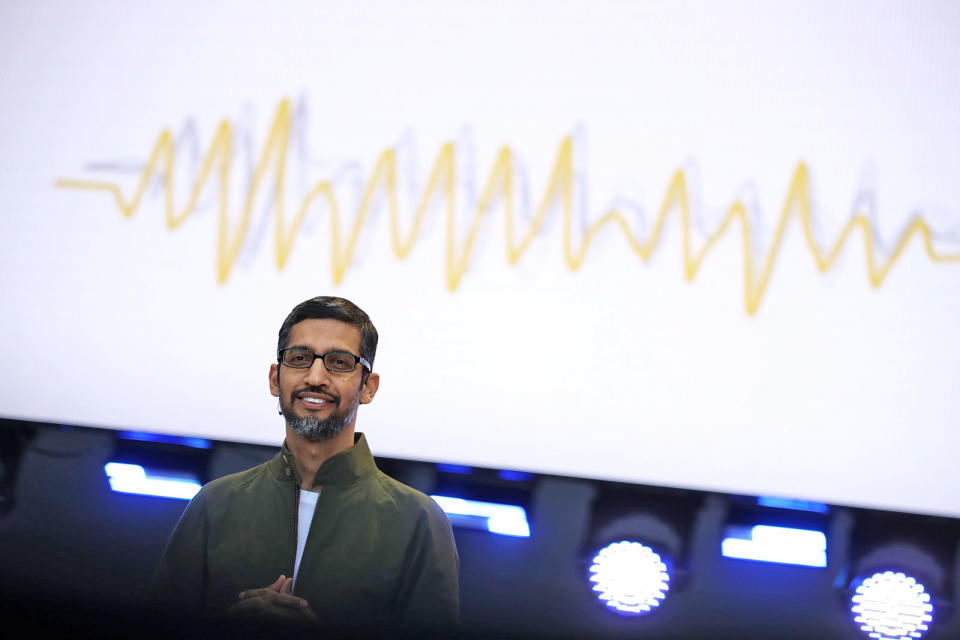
308 504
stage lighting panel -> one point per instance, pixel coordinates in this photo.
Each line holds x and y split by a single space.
158 465
133 478
629 578
891 606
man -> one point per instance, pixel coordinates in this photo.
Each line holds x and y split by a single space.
317 537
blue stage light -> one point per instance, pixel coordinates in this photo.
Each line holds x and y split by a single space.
629 578
459 469
133 478
143 436
792 504
505 519
891 606
514 476
781 545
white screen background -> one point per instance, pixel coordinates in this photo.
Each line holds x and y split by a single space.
824 388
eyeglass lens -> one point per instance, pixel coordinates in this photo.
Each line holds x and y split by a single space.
303 359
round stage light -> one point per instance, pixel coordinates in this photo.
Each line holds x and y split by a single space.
891 606
629 578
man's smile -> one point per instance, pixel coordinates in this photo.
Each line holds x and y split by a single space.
313 400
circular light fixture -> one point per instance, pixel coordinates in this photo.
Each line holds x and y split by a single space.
629 578
891 606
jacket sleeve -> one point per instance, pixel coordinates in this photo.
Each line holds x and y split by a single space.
179 582
430 596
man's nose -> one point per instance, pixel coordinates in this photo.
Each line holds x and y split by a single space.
317 375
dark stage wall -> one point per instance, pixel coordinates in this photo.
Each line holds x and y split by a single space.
74 553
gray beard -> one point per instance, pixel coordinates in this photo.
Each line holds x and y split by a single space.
315 430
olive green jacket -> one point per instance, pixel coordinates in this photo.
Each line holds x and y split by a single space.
379 555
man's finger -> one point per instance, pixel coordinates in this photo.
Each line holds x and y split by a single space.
289 601
287 586
276 587
257 593
270 600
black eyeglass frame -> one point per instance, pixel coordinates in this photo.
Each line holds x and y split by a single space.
323 358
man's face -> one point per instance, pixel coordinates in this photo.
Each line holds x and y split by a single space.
318 404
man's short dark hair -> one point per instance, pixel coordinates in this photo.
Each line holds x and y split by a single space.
337 309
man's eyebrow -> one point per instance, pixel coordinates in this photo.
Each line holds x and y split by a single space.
342 350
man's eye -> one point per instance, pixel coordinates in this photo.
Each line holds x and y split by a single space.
297 358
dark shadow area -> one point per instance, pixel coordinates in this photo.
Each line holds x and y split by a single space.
77 558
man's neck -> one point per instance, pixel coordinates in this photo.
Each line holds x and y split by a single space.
309 455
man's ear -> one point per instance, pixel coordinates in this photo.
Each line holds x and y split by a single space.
275 381
369 388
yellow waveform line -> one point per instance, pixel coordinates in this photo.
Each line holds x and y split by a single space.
442 182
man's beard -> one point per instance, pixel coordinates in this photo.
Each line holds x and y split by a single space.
313 428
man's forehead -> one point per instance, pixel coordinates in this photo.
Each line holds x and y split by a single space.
324 333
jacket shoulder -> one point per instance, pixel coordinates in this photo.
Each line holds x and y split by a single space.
409 502
234 483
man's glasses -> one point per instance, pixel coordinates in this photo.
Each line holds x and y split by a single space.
300 358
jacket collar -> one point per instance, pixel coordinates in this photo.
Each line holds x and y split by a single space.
345 468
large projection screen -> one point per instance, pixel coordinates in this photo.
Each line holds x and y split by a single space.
710 245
